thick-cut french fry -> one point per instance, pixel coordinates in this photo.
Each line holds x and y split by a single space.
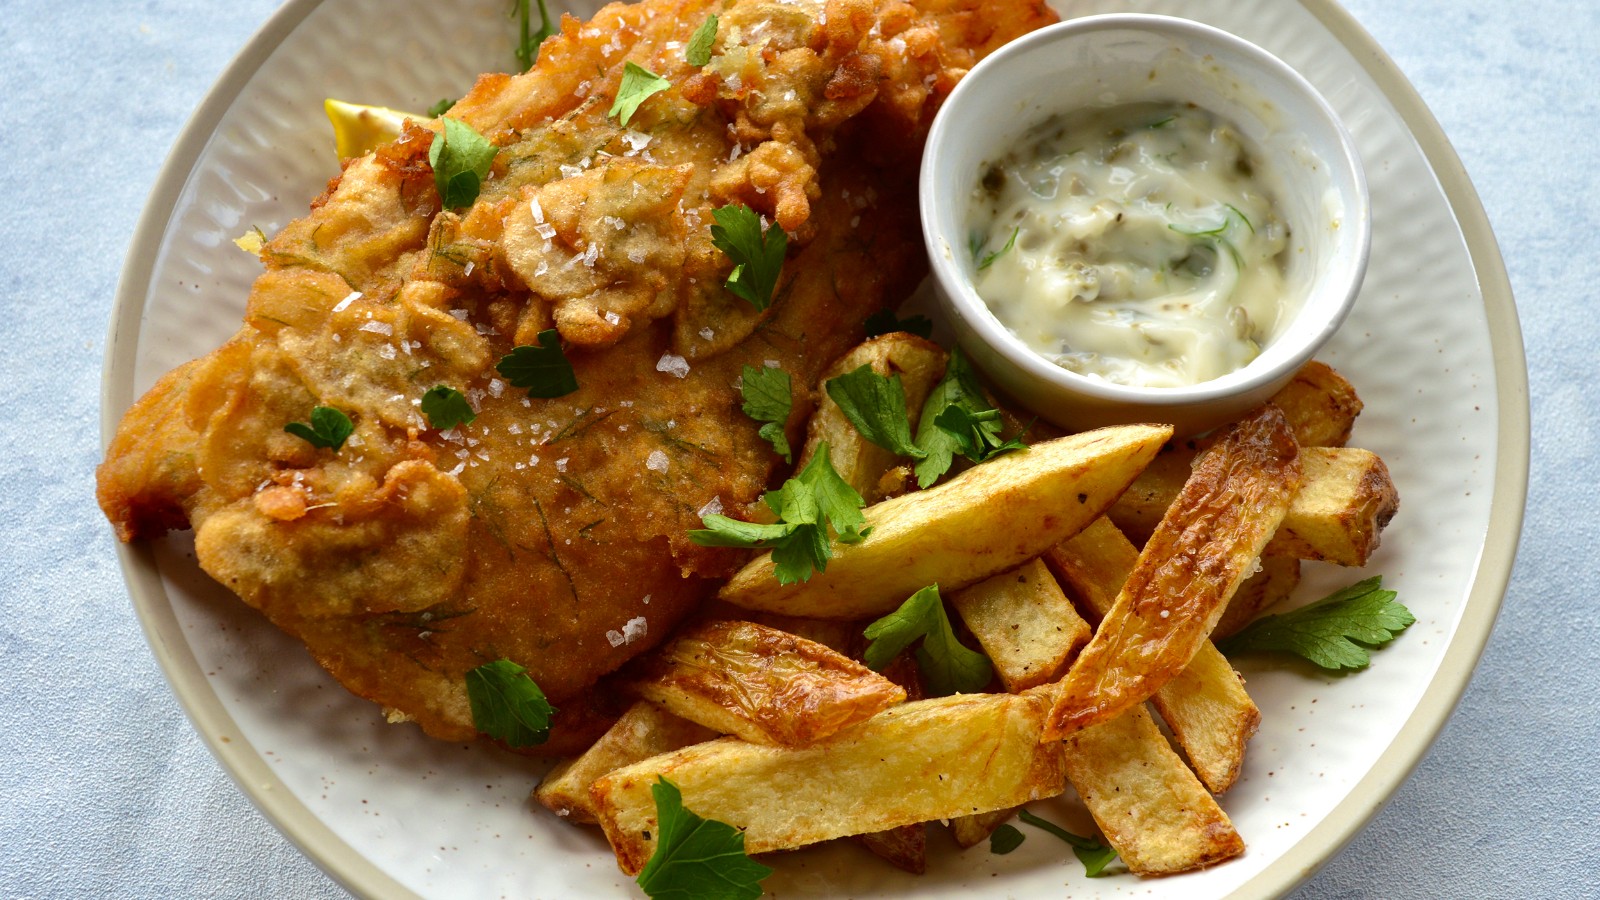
1340 511
970 831
933 759
1205 546
1025 624
1345 500
1146 801
1206 706
1278 578
991 518
1320 404
645 730
764 685
905 847
861 463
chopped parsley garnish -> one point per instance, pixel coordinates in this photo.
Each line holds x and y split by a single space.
695 858
757 256
638 85
947 665
958 419
446 408
884 321
988 261
767 399
329 428
461 158
876 406
699 50
528 41
440 108
543 370
806 506
1335 632
1005 839
1094 855
507 705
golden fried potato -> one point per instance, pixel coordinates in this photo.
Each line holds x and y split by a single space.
933 759
1340 511
764 685
861 463
1205 546
905 847
992 517
1026 625
1205 705
645 730
970 831
1145 800
1278 578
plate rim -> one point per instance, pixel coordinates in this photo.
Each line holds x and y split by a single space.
360 875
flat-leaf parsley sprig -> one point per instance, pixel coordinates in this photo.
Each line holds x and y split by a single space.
461 159
696 858
806 506
329 428
638 85
948 665
1094 855
543 370
757 254
507 705
1334 632
768 396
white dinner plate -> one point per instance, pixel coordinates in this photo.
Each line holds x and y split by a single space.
1433 347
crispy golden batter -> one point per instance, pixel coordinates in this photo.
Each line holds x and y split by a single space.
550 532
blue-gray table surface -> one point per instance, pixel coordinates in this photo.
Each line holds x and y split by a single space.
105 790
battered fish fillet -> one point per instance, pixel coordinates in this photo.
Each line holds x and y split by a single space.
550 532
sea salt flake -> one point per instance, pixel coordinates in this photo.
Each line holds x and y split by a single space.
707 334
350 298
561 464
713 507
673 365
383 328
656 461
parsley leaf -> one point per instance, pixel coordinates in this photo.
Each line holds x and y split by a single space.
1330 632
946 663
1094 855
543 370
446 408
876 406
507 705
884 321
638 85
806 506
699 50
461 158
329 428
440 108
757 256
988 261
767 398
528 41
957 418
695 858
1005 839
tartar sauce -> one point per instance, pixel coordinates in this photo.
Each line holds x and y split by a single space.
1139 244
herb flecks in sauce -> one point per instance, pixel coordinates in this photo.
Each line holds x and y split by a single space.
1139 244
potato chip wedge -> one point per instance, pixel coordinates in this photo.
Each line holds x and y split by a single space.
1206 706
991 518
905 847
645 730
1203 549
764 685
1278 578
861 463
1146 801
934 759
970 831
1320 404
1024 622
1340 511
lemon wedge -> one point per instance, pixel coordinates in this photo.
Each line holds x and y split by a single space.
358 129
